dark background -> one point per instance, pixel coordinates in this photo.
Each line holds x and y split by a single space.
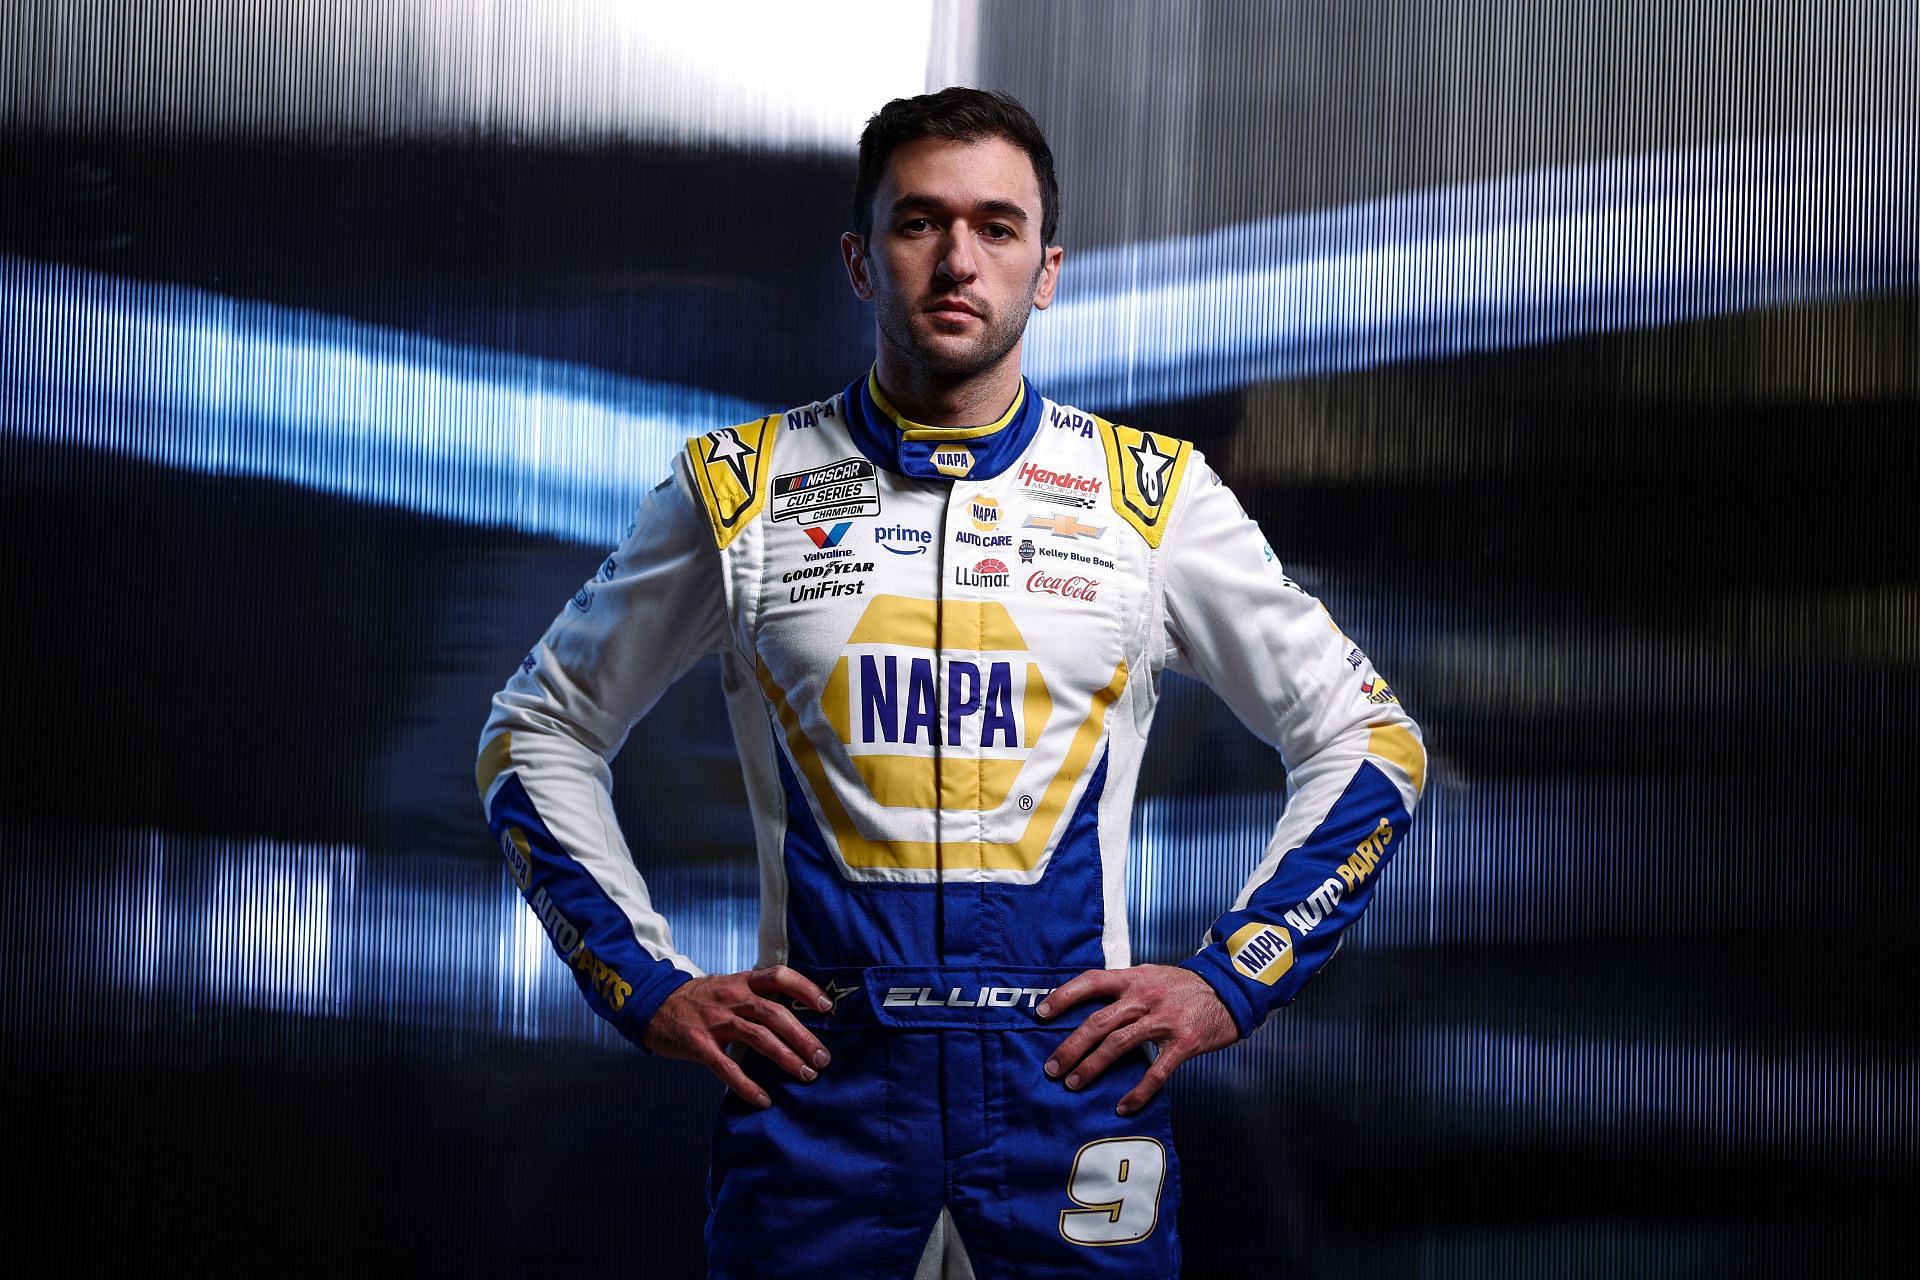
1604 457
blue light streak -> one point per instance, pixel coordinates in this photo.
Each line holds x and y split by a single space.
213 385
1630 243
183 378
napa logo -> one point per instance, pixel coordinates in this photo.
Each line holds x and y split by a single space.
1261 951
897 709
985 514
954 460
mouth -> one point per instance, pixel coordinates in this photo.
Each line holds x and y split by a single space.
952 309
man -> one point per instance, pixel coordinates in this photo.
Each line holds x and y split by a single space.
943 604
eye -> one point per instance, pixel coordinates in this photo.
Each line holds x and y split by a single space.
915 224
997 231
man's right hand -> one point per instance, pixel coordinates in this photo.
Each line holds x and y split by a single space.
705 1015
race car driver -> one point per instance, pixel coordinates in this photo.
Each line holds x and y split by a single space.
942 605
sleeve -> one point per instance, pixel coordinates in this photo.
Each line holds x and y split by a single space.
1355 760
656 604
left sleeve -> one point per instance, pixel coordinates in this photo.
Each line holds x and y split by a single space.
1355 760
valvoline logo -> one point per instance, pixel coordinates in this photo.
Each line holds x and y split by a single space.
823 537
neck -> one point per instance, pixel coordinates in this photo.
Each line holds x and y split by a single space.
934 400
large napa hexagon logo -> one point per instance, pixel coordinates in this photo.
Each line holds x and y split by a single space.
919 730
894 704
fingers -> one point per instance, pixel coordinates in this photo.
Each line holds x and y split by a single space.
1094 984
1172 1054
1098 1026
780 980
734 1078
794 1039
764 1042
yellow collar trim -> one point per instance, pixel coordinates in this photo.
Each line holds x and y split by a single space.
920 431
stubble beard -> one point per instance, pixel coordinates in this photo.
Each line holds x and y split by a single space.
999 334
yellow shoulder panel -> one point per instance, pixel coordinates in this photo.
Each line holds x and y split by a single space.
731 469
1145 470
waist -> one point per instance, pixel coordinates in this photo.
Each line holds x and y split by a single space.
939 997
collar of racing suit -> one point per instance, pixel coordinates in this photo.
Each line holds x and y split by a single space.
938 453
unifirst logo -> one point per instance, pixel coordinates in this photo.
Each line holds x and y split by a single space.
953 460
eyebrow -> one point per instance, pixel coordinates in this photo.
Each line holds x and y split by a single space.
995 207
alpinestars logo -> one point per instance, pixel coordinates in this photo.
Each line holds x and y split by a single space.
725 445
1150 470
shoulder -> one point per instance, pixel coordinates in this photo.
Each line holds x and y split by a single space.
1144 469
731 468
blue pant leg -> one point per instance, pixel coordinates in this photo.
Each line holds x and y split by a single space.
841 1177
1064 1187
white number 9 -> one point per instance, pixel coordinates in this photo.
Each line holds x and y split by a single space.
1117 1181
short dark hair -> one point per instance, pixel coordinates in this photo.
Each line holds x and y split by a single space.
962 115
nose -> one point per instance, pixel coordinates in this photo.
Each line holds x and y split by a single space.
957 261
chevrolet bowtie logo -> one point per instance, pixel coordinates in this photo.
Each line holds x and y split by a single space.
1065 526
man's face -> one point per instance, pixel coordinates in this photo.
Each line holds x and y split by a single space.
955 260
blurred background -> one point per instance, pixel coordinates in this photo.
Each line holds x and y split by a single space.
1570 352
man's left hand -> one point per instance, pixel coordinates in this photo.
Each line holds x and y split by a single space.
1172 1007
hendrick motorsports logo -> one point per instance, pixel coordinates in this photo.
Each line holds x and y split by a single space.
828 495
1061 488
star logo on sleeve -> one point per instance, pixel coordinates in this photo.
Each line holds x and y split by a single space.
834 992
1150 469
725 445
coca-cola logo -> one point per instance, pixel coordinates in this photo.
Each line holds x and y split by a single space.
1075 587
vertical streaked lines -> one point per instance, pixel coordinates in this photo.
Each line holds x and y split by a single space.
1628 243
191 380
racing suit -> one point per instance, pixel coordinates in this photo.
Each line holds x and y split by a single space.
941 652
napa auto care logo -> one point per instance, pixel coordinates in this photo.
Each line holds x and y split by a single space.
1074 587
985 573
985 514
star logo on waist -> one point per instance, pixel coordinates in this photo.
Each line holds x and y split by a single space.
834 992
1064 526
725 445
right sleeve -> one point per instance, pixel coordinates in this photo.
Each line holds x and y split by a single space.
656 605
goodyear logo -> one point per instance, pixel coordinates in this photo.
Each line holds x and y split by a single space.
985 514
896 704
1261 951
953 460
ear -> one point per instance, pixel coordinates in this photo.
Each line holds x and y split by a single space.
1049 277
853 252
